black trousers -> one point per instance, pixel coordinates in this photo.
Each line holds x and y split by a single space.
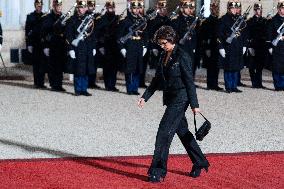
174 121
38 74
110 78
256 76
38 67
55 74
212 76
143 74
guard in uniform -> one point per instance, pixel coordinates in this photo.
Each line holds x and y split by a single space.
81 56
208 33
160 20
257 50
182 23
93 77
54 46
33 42
134 48
1 37
106 30
240 84
142 83
231 54
277 50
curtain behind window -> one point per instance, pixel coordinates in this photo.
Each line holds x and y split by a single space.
14 12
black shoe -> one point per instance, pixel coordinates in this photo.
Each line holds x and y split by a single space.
115 89
95 86
242 85
155 178
218 88
258 87
40 87
237 90
143 85
112 89
58 89
85 93
77 93
196 170
135 93
229 91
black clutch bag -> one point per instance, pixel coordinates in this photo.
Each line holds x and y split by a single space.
203 130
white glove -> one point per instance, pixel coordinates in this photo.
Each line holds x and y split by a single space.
222 52
72 54
144 51
270 51
94 52
46 52
193 50
102 50
251 51
208 53
123 52
155 52
30 49
244 50
0 47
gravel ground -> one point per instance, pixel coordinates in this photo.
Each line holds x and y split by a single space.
44 124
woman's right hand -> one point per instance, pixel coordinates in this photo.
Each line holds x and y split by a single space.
141 102
195 110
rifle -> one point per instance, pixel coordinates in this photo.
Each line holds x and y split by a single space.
280 32
83 28
5 68
237 25
270 13
137 26
64 17
174 13
191 28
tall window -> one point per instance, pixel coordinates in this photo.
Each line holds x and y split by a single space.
14 12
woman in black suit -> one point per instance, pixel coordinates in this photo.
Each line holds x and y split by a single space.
174 77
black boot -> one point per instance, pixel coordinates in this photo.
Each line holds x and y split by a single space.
196 169
194 152
155 178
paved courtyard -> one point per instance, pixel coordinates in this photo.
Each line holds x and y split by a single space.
44 124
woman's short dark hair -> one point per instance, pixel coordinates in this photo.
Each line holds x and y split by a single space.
166 33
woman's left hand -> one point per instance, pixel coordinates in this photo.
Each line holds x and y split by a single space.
141 102
196 110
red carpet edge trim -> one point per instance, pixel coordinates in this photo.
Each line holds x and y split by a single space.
139 157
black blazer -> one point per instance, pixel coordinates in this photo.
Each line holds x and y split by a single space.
175 80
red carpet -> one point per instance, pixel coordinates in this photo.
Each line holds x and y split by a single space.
263 170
